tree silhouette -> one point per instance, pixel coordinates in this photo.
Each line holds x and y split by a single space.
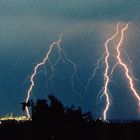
52 121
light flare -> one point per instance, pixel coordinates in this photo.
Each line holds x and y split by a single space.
11 117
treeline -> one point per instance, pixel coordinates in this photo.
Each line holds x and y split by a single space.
52 121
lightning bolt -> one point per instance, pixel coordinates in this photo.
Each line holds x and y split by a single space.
55 64
106 74
74 74
100 93
130 66
60 50
54 44
125 67
53 67
94 71
113 69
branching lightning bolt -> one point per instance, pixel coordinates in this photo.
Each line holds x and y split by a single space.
74 74
94 71
113 68
106 74
55 64
60 50
130 66
125 67
54 44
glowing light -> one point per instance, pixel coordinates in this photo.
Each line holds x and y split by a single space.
54 44
126 69
14 118
106 74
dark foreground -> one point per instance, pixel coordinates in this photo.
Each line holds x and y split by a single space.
54 122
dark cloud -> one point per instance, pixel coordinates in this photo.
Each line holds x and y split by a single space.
74 9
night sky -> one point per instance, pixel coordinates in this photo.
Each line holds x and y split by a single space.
28 27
